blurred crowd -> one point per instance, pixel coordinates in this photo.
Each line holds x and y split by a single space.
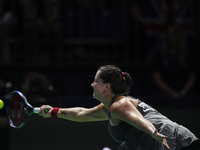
49 32
37 29
159 35
53 32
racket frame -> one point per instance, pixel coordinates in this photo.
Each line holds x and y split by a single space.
28 109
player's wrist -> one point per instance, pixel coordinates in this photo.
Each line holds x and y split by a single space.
54 112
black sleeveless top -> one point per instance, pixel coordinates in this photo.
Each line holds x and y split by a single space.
119 131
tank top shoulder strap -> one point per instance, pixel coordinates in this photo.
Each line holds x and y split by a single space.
113 100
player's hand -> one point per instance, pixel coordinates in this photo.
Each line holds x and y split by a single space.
160 138
45 111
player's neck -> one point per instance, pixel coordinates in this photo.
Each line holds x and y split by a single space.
107 100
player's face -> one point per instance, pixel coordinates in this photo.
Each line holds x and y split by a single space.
98 87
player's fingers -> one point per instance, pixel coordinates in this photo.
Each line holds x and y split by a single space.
42 108
165 143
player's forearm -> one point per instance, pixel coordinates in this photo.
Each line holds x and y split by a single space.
73 114
145 126
78 114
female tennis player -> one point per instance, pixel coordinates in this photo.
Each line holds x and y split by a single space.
131 122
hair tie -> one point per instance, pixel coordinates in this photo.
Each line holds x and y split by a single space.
123 76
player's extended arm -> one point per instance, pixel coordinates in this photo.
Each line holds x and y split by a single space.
79 114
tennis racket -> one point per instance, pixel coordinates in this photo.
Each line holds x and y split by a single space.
18 109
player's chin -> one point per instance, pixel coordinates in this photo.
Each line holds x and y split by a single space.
93 95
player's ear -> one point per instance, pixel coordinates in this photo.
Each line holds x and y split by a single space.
107 87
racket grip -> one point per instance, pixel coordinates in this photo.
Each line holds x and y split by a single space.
37 109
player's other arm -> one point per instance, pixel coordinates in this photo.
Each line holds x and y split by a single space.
79 114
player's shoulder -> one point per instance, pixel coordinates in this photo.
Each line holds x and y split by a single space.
122 104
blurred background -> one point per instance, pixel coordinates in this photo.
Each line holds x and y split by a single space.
49 49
